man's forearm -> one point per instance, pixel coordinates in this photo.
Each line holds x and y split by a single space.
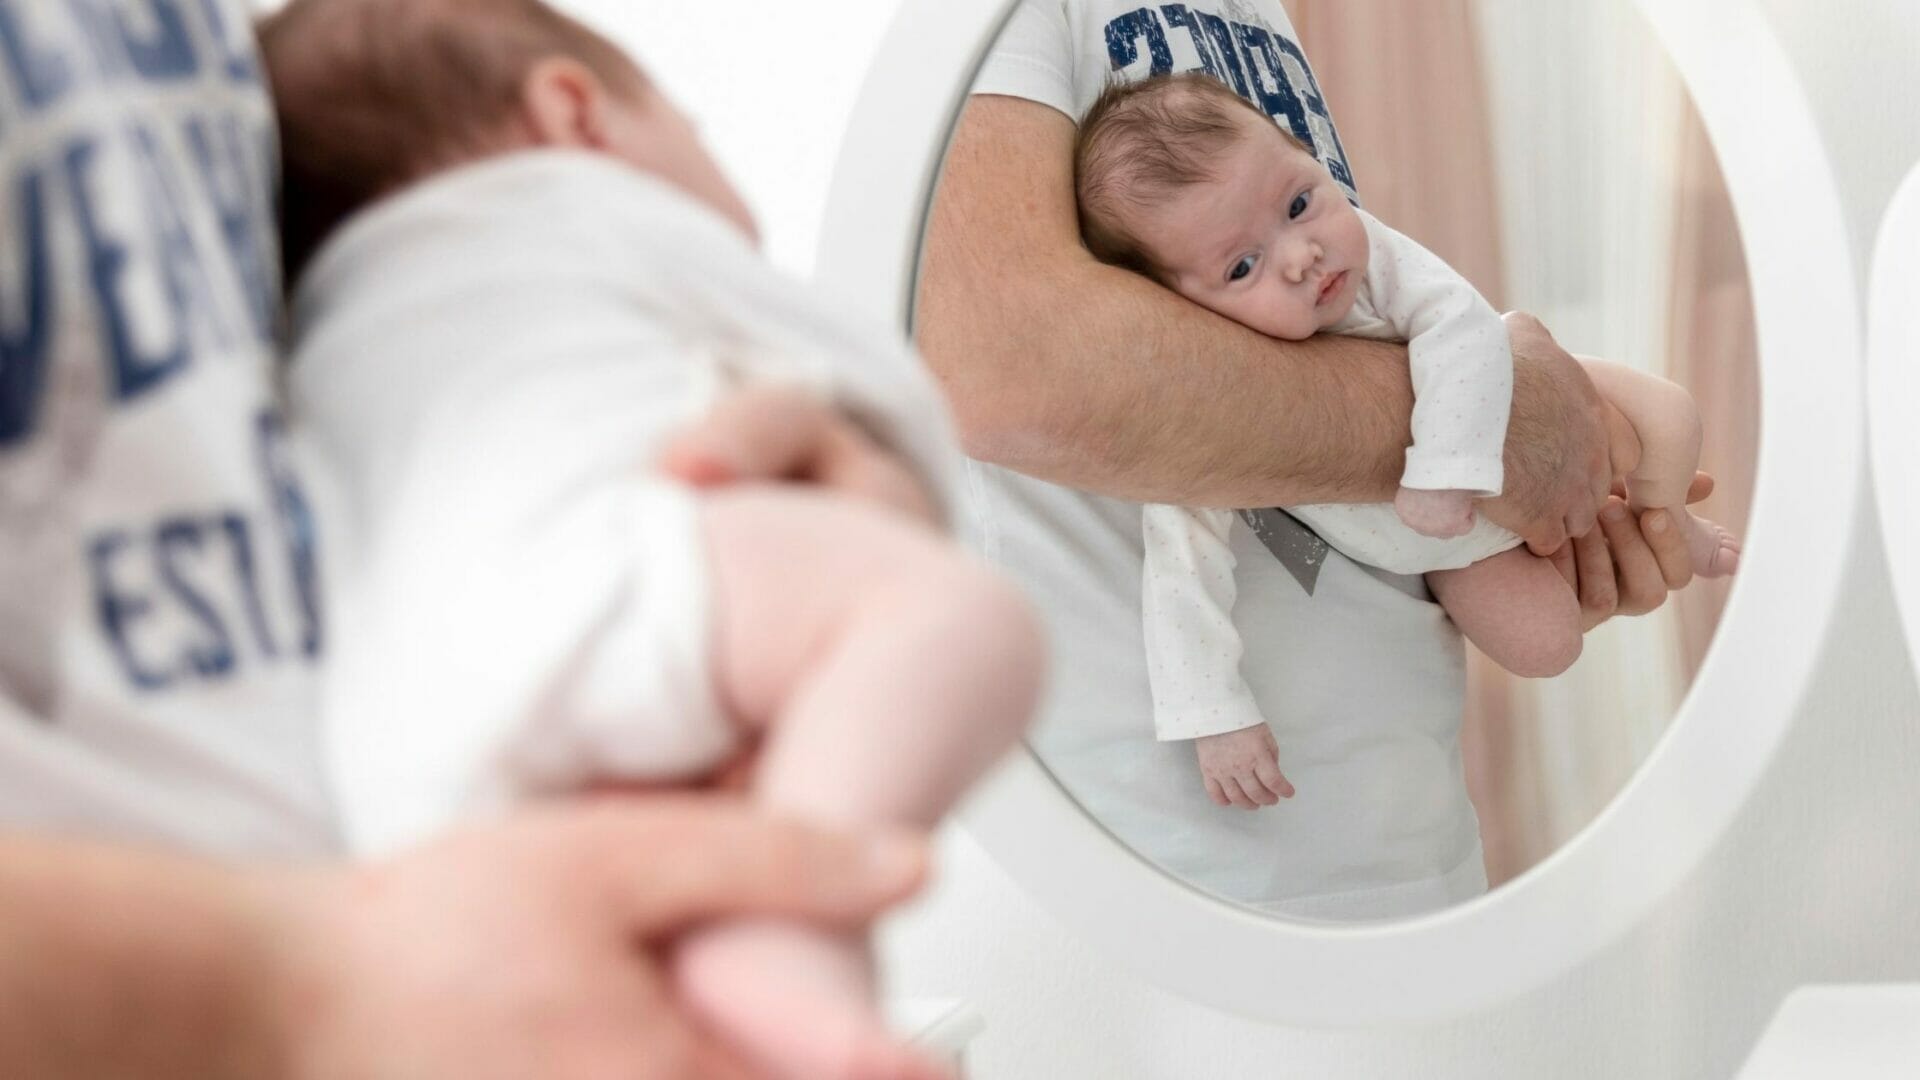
1096 378
116 963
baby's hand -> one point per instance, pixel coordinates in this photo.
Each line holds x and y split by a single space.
1242 768
784 434
1439 514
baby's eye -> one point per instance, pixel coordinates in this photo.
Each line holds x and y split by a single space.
1299 205
1241 269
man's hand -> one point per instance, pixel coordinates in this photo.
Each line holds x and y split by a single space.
531 948
1627 566
1242 768
785 434
1565 445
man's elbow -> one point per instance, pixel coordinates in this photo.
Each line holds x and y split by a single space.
1000 424
992 373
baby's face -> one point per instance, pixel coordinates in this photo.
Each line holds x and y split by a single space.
648 132
1272 243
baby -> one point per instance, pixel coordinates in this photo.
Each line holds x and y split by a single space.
517 273
1181 180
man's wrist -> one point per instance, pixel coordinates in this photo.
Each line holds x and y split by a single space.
277 1001
129 963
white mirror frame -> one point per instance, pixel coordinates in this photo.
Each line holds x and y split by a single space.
1684 796
1893 375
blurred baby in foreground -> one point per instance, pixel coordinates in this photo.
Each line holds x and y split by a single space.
516 274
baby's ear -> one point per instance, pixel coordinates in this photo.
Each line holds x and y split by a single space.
565 104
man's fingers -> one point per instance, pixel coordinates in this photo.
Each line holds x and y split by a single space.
1641 584
1563 562
1601 474
1216 793
665 862
1548 538
1701 487
1598 592
1669 548
1582 517
759 433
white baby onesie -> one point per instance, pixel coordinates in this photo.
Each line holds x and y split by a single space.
1462 369
487 367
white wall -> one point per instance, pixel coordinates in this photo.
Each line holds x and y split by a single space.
770 83
1815 882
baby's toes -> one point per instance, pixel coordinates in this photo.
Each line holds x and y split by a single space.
1726 559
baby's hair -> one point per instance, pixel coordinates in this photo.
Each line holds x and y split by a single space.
375 94
1145 140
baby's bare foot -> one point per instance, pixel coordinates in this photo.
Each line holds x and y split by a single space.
794 1001
1715 551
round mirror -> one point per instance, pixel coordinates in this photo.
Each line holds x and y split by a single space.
1893 355
1564 158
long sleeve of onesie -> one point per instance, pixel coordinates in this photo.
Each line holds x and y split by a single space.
1457 353
1193 649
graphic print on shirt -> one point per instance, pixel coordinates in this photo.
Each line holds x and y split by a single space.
1261 65
141 452
1298 548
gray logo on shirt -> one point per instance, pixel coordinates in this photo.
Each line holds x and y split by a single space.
1297 547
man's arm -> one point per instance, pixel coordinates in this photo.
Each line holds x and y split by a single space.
525 948
1090 376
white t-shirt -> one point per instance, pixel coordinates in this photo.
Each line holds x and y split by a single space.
488 365
159 621
1359 673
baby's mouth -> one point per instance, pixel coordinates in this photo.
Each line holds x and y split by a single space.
1330 285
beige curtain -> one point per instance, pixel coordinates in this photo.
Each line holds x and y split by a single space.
1716 355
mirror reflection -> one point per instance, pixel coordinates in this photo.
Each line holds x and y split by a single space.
1213 289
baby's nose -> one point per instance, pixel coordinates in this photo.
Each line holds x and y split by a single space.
1305 255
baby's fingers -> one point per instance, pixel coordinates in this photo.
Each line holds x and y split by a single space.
1274 780
758 433
1257 789
1237 794
1215 793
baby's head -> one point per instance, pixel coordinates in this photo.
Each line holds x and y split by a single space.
374 95
1182 180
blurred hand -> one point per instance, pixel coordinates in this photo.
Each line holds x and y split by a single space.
784 434
1565 446
1628 565
530 947
1242 768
